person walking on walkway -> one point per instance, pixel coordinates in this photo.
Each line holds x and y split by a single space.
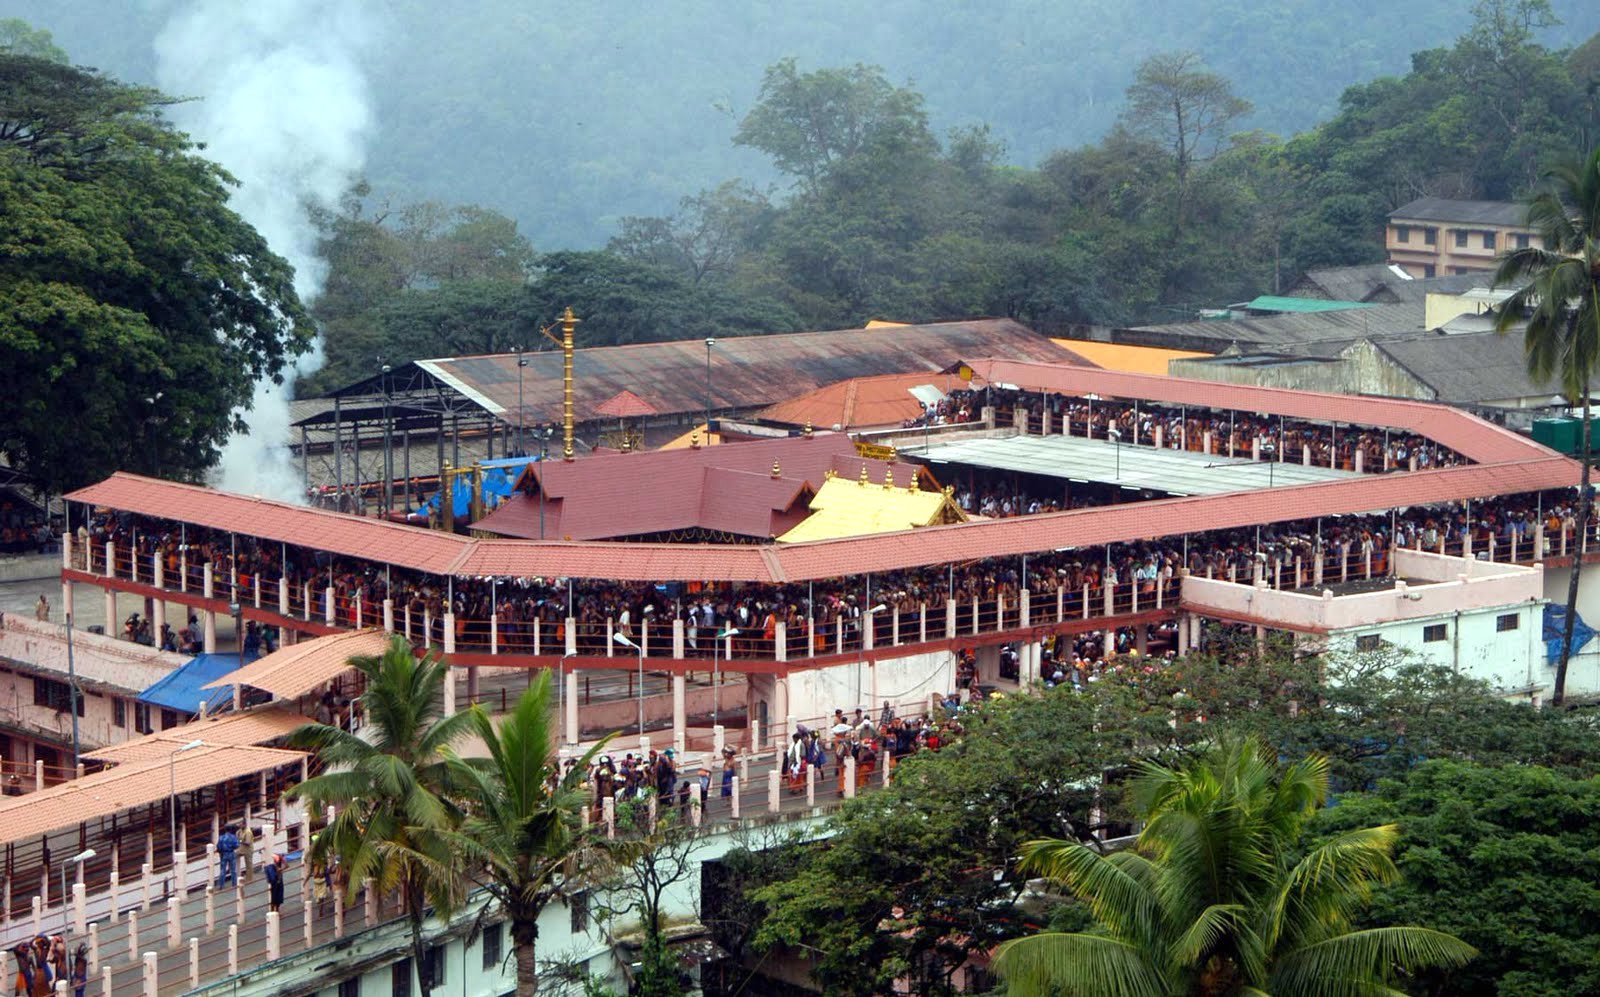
247 848
228 856
275 883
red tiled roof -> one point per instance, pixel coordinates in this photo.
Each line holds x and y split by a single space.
641 562
1462 432
319 529
860 401
625 405
728 488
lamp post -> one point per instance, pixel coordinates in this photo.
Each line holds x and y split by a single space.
522 364
544 453
625 642
172 794
561 682
388 452
76 860
710 342
1116 441
716 679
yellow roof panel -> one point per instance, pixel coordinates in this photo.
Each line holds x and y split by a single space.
1129 359
687 439
843 508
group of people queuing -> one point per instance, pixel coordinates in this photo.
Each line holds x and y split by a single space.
820 616
44 962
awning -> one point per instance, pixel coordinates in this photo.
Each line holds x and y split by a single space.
258 726
126 786
299 668
184 687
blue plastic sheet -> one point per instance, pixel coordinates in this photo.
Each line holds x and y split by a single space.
1555 618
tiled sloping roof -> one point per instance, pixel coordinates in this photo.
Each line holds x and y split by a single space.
1464 433
1468 367
747 372
299 668
256 726
620 495
859 402
625 405
373 540
134 784
641 562
1443 209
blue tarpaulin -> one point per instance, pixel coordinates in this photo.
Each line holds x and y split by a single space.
1555 617
498 478
180 689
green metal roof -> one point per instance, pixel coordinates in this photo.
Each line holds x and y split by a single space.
1274 303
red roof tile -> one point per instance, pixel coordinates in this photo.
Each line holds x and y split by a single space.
319 529
1462 432
625 405
866 402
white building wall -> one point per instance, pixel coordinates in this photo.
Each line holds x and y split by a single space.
1473 643
1583 671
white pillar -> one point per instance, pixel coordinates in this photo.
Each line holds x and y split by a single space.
734 799
133 936
571 681
773 789
152 980
274 940
329 610
449 691
680 715
175 919
388 615
849 778
79 918
233 950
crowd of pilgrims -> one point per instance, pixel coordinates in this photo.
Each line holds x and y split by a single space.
43 962
870 741
826 612
1183 429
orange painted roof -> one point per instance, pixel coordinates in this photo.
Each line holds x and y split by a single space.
1129 359
298 668
625 405
257 726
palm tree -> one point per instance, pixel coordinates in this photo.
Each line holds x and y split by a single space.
1559 293
524 821
389 786
1211 900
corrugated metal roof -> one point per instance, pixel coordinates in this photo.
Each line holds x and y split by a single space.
1275 303
299 668
1444 209
320 529
746 372
1274 330
135 784
256 726
1468 367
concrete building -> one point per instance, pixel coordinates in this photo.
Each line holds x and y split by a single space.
1435 236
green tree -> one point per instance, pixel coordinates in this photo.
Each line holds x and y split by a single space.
390 787
524 831
137 310
810 123
1215 898
1558 296
1507 858
18 37
1186 107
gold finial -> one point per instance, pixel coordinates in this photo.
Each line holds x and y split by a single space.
949 490
888 479
829 474
694 440
806 432
912 485
894 454
777 472
863 480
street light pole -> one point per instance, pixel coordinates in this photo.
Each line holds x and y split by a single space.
172 795
625 642
522 363
388 451
77 860
710 342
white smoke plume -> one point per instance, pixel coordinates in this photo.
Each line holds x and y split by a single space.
282 105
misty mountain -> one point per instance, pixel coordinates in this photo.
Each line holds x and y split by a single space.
569 117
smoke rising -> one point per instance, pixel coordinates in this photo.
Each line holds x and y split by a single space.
283 106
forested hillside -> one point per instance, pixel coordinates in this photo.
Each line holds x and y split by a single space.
570 117
877 214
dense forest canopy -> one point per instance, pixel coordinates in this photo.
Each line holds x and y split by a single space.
570 118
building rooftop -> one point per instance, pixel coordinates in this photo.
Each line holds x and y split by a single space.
861 402
845 508
1443 209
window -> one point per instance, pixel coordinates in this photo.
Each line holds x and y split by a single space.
54 695
491 947
1461 238
1435 632
1521 241
1368 642
400 978
578 906
169 719
1402 233
1427 270
1488 240
436 964
350 987
141 718
119 712
1510 621
1430 236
